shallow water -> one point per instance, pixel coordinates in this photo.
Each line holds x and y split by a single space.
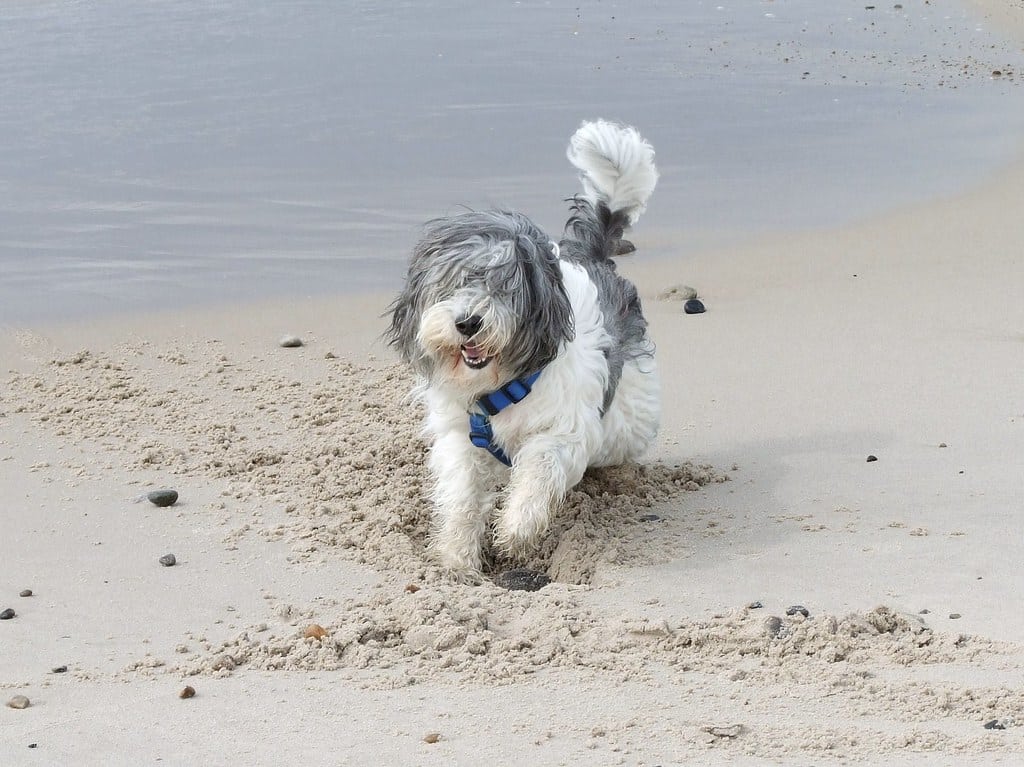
156 155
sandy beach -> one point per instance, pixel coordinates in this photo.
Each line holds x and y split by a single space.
817 564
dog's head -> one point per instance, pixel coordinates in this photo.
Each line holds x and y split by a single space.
483 302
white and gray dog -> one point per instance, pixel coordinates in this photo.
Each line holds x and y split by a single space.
533 356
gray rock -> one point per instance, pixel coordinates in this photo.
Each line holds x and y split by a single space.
522 579
168 560
163 497
290 342
694 306
25 593
798 609
7 614
19 701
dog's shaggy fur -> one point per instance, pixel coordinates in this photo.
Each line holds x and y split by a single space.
490 299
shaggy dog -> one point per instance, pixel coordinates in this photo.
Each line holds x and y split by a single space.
533 356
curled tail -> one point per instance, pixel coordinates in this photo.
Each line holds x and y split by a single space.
616 167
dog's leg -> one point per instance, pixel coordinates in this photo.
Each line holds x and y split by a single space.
545 469
462 504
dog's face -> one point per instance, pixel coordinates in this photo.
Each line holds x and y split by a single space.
483 303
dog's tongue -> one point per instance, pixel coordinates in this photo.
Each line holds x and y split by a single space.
472 350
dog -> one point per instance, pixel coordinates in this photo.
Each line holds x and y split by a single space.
533 357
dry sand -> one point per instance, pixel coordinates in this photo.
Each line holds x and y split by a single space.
301 481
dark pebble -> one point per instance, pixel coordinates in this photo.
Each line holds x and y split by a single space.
954 616
163 497
755 606
7 614
168 560
694 306
798 609
290 342
872 458
649 518
59 669
521 579
33 745
995 724
925 611
26 593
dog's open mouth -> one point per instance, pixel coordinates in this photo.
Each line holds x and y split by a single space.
473 356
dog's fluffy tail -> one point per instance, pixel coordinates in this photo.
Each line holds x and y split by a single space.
616 167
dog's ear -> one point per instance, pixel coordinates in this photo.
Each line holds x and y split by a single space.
551 310
401 334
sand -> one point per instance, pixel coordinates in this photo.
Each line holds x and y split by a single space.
666 635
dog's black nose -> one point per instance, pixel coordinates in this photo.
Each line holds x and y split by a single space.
469 326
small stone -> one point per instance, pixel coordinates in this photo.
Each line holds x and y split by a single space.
755 606
330 356
677 293
163 497
59 669
290 342
798 609
954 616
412 588
25 593
7 614
943 444
872 458
168 560
522 579
314 631
724 731
694 306
188 692
650 518
432 737
19 701
925 611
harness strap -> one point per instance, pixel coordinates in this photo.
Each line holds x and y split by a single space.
480 432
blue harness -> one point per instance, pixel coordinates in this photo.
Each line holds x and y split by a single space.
480 432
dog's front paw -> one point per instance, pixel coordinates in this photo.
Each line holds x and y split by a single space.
516 534
463 564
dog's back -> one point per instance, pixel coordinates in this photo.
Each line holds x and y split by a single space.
618 175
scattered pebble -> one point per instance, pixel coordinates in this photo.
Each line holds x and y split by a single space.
724 731
59 669
163 497
650 518
798 609
7 614
954 616
314 631
19 701
330 356
925 611
943 444
677 293
168 560
755 606
432 737
521 579
694 306
25 593
872 458
290 342
188 692
1000 724
412 588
